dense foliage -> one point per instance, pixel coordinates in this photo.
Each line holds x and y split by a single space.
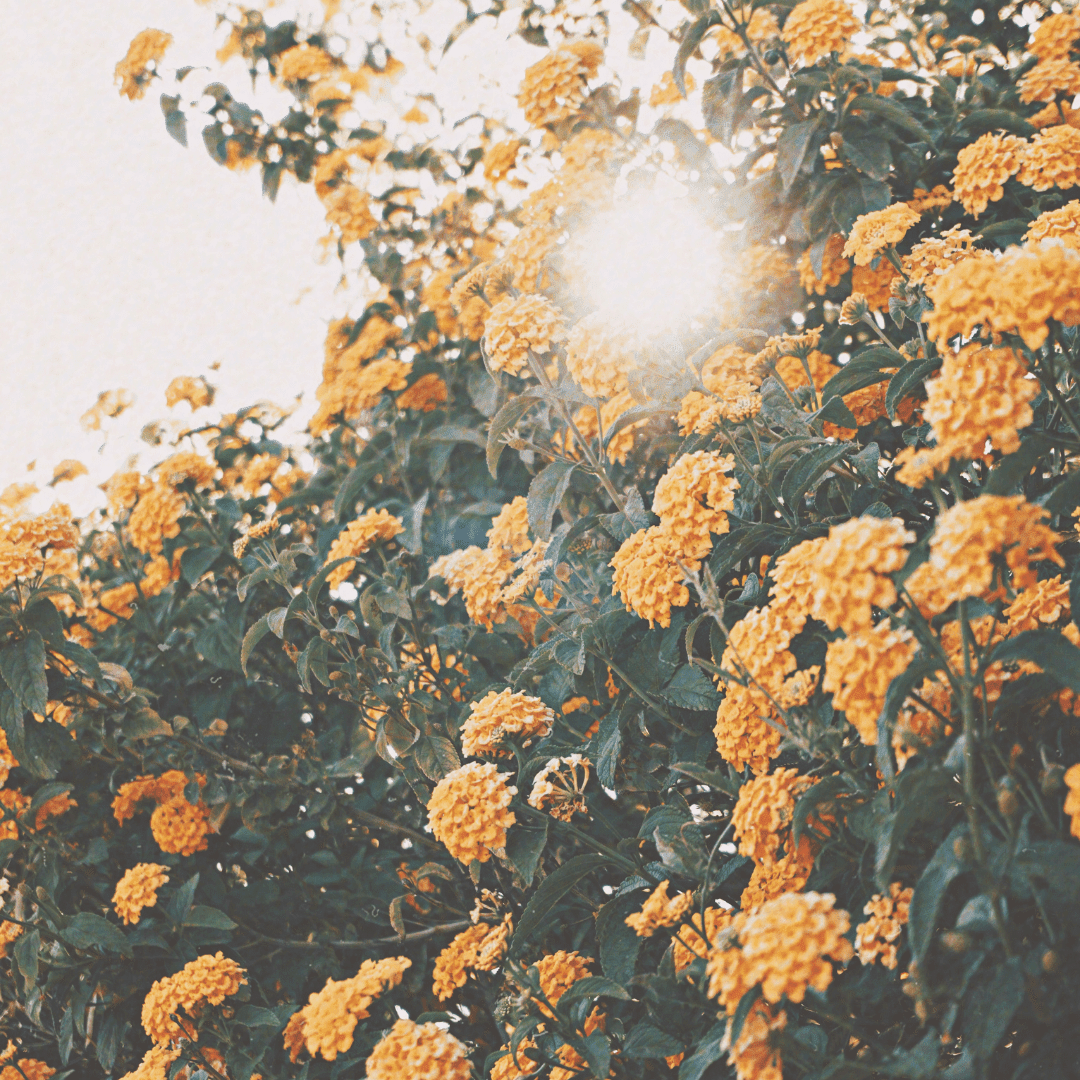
685 691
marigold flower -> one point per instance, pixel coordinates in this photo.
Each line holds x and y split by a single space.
515 1066
659 910
859 669
468 811
424 395
497 715
146 48
1061 224
649 574
554 87
598 357
559 787
138 889
982 168
816 28
754 1054
411 1051
479 947
1051 159
873 233
1048 78
517 324
877 936
785 947
197 392
968 543
208 979
692 499
1072 800
981 395
1055 36
357 538
325 1025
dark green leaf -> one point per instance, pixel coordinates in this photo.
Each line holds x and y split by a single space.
604 747
181 902
891 111
22 664
550 891
87 930
436 756
691 40
200 915
862 371
1011 471
594 986
908 380
26 952
930 891
691 689
1066 495
253 1016
705 1053
870 155
524 847
1053 652
619 943
196 561
792 148
991 1007
895 696
353 484
256 632
502 422
545 493
808 470
648 1041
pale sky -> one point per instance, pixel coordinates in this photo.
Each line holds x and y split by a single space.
126 260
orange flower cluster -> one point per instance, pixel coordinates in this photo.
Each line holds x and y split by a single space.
1062 224
558 971
879 230
357 537
517 324
764 811
179 827
411 1051
27 1069
155 1063
326 1023
816 28
982 395
554 87
877 936
480 575
500 158
156 518
468 811
982 169
559 787
754 1054
1052 159
691 943
498 715
1072 800
12 802
1048 78
195 391
692 499
138 889
840 579
424 395
479 948
598 358
931 257
968 541
133 72
1054 37
1038 605
784 947
9 932
209 979
757 653
859 669
875 284
510 527
348 209
833 264
648 575
7 758
659 910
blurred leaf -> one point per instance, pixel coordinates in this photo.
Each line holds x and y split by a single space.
792 148
939 872
1052 651
550 891
200 915
524 848
87 930
545 493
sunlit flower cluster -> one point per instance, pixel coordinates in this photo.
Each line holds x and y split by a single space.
424 395
207 980
468 811
197 392
598 358
357 538
499 715
411 1051
659 910
649 576
816 28
555 86
833 265
133 72
877 231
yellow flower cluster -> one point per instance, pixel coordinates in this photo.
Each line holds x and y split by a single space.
109 404
357 537
156 518
554 87
7 758
510 527
931 257
498 715
1062 224
1052 159
195 391
1048 78
859 669
764 811
348 209
480 574
27 1069
879 230
517 324
1054 37
209 979
877 936
24 540
692 499
424 395
598 357
179 827
479 948
1072 800
12 802
648 576
500 158
659 910
982 169
833 265
839 579
326 1023
982 395
1039 605
690 943
970 539
411 1051
816 28
138 889
304 61
9 932
146 48
468 811
784 947
754 1054
559 787
558 971
155 1063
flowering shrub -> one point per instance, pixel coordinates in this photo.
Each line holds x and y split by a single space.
680 686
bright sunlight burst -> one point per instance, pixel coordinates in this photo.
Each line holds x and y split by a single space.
651 264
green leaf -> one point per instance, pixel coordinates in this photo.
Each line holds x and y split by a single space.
889 110
175 120
792 148
26 956
1052 651
691 40
705 1053
1011 471
808 470
862 371
604 747
907 380
412 539
545 493
453 433
990 1008
210 917
87 930
895 696
930 891
502 422
870 155
691 689
524 848
716 780
196 561
253 1016
1065 497
256 632
550 891
981 121
353 484
619 943
22 664
436 756
594 986
145 723
180 904
648 1041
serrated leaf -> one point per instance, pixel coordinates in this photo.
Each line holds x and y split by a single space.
435 756
691 689
550 891
907 380
604 747
545 493
648 1041
524 848
22 665
87 930
201 915
594 986
792 148
808 470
